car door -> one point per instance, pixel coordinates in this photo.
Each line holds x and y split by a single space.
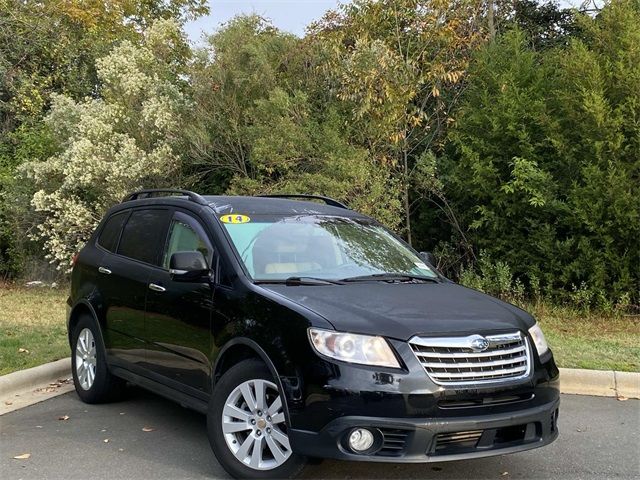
178 313
126 276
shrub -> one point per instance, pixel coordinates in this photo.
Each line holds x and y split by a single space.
110 145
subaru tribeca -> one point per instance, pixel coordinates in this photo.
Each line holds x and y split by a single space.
303 330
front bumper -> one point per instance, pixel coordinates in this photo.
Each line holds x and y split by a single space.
410 440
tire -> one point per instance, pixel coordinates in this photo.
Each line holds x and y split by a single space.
91 377
236 431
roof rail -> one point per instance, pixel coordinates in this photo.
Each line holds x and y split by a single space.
154 192
329 201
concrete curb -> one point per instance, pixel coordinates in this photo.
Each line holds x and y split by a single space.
32 378
601 383
28 387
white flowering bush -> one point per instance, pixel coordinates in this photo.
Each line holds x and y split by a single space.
121 141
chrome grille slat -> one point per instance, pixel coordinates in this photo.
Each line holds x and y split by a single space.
452 360
493 363
485 374
469 355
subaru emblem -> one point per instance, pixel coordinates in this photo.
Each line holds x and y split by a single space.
479 344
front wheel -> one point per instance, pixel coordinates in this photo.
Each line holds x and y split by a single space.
246 425
91 377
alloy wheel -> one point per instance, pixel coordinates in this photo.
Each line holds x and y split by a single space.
254 426
86 359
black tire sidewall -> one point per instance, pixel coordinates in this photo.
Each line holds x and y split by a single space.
103 386
243 371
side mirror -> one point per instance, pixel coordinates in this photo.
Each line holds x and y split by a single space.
429 257
188 266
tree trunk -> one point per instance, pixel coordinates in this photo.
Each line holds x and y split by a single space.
405 186
490 20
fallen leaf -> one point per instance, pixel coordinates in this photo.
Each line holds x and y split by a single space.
23 350
64 418
106 440
24 456
46 390
622 398
148 429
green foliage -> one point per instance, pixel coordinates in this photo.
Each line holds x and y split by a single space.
111 145
398 67
494 278
255 120
545 23
543 163
26 143
50 48
515 159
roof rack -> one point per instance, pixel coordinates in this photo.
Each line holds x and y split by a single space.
329 201
155 192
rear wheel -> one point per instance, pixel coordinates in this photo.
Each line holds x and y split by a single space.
246 425
91 377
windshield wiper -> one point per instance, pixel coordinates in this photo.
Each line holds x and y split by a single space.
390 277
294 281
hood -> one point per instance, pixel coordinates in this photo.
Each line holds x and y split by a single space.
402 310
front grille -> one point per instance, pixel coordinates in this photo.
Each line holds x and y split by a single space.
461 360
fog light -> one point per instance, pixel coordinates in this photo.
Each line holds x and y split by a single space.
360 439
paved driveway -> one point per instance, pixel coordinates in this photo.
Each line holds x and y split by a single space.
599 438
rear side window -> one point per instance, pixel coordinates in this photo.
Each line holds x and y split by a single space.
111 231
144 234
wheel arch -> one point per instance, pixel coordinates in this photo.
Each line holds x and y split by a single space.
83 306
243 348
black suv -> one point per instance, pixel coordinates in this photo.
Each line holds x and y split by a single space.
303 329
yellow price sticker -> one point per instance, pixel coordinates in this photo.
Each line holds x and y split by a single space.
234 219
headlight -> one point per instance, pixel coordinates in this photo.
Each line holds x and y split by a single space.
353 348
538 339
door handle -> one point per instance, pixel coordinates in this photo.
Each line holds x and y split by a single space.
156 288
104 270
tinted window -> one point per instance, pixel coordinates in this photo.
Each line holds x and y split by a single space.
186 235
111 231
144 234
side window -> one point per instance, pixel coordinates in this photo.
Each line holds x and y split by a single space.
186 235
110 233
143 235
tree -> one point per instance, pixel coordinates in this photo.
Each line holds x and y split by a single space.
263 124
545 24
50 47
399 67
543 162
110 145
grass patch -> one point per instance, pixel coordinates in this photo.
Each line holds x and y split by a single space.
591 340
32 319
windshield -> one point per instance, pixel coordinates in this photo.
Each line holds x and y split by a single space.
280 247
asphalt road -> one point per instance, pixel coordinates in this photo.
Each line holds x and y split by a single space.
599 438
